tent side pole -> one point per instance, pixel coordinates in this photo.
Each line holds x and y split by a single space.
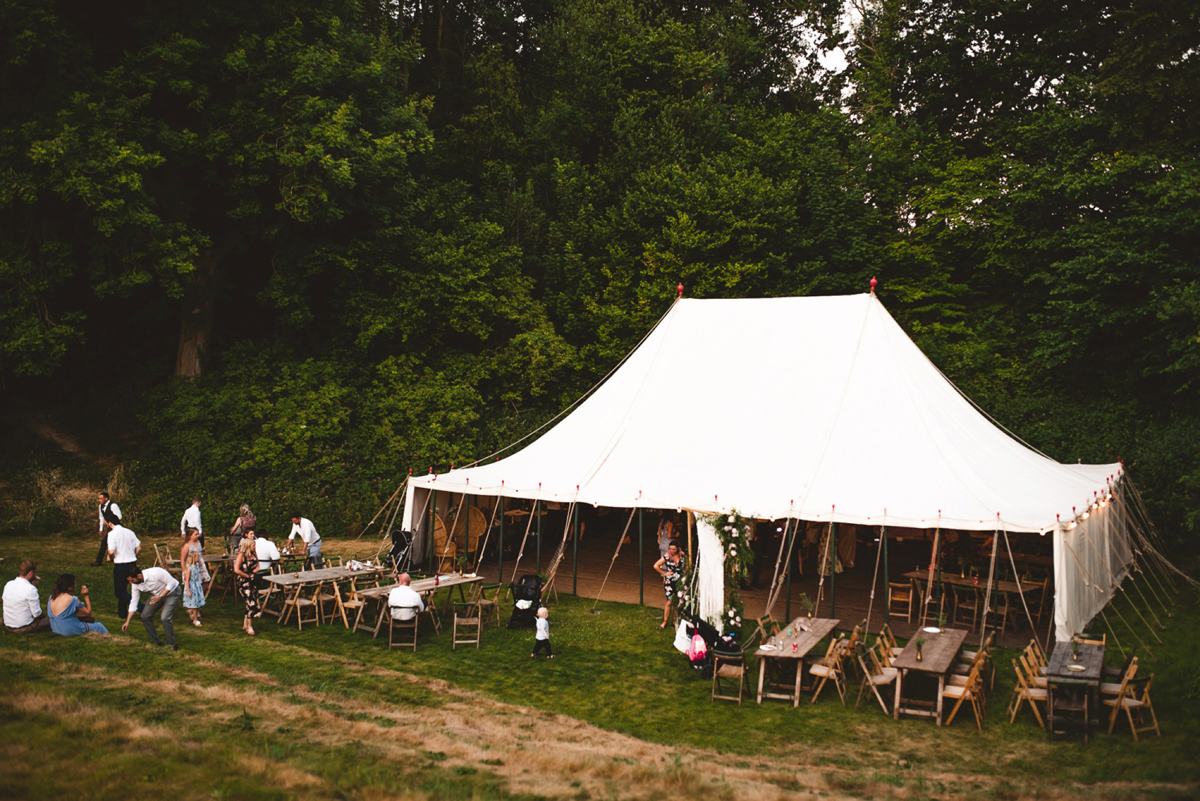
432 520
833 537
500 565
641 562
787 573
467 535
537 509
887 585
575 555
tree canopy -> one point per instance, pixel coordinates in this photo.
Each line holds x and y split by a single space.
309 246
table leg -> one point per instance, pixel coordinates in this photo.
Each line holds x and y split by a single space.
383 608
762 674
941 689
896 705
288 608
337 597
799 679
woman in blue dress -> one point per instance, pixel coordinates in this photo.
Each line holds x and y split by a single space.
63 609
195 573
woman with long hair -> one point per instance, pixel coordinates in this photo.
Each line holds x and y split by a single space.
245 569
670 567
194 575
246 521
63 609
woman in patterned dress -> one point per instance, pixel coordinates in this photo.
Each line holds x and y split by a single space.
670 567
245 569
195 573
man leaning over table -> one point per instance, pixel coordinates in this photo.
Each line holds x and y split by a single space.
312 540
164 591
403 598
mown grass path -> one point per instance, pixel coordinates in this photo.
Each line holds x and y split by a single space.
325 713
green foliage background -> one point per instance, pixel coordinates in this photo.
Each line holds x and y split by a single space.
414 231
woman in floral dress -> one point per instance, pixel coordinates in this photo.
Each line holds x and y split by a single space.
245 570
670 567
195 574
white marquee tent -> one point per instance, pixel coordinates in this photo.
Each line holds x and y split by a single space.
811 408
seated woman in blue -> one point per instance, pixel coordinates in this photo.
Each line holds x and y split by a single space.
63 609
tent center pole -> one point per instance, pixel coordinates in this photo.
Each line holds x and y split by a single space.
537 509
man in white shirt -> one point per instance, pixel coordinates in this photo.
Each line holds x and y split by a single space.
405 602
191 519
22 608
109 513
312 540
164 591
123 549
268 554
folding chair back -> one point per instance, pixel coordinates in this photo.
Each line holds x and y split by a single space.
403 633
468 625
830 668
874 674
729 665
900 599
1026 692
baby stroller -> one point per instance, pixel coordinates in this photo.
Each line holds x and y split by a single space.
700 658
398 556
527 597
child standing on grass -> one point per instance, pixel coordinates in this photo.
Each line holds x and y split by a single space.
542 638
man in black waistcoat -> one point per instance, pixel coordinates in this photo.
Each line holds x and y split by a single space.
109 513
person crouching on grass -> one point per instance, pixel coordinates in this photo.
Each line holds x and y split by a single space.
542 638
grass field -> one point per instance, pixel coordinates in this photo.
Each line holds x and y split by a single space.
326 713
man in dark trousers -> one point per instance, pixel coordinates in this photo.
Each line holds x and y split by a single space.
109 513
123 549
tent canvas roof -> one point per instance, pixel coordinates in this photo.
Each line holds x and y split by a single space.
818 408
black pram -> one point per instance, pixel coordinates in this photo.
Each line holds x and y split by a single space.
527 597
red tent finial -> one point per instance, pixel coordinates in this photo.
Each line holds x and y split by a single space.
679 289
873 283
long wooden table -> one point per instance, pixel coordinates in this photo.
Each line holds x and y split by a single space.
998 585
937 657
791 644
424 587
314 581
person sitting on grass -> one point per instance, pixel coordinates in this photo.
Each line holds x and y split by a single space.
542 638
165 592
64 609
22 607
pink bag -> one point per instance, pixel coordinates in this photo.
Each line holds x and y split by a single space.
698 649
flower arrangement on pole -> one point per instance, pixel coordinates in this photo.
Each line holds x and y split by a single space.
734 532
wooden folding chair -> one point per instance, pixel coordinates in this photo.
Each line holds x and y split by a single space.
969 690
967 605
1091 639
728 665
1127 700
403 627
900 598
889 640
468 617
830 667
298 605
488 606
1024 692
1114 688
766 627
875 675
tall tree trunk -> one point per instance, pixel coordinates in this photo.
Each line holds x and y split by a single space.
196 316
